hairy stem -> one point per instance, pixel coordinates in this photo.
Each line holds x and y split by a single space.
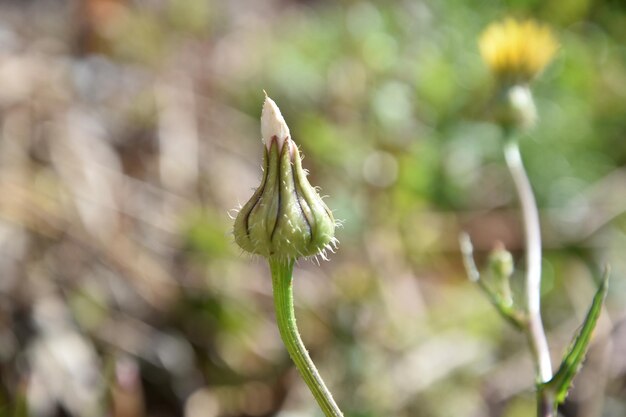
534 330
282 282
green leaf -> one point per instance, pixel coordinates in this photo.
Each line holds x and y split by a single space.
562 380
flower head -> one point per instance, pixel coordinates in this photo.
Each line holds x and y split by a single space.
285 218
517 51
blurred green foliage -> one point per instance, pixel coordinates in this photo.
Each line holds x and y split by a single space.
130 129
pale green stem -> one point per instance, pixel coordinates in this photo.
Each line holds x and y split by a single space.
282 283
534 331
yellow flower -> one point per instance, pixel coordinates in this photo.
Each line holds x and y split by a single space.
516 51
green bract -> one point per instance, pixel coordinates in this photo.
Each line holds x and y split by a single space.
285 218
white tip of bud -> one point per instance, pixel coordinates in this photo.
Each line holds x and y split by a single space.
273 124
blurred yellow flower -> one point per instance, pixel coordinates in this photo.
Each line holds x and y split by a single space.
516 51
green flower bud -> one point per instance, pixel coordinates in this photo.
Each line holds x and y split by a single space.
501 267
515 107
285 217
501 261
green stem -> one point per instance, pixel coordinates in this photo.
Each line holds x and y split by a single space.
282 283
534 330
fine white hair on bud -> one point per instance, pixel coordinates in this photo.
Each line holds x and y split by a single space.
273 124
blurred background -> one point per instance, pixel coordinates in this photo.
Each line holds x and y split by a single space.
129 130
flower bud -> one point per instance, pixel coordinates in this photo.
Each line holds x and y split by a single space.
285 217
501 267
515 107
